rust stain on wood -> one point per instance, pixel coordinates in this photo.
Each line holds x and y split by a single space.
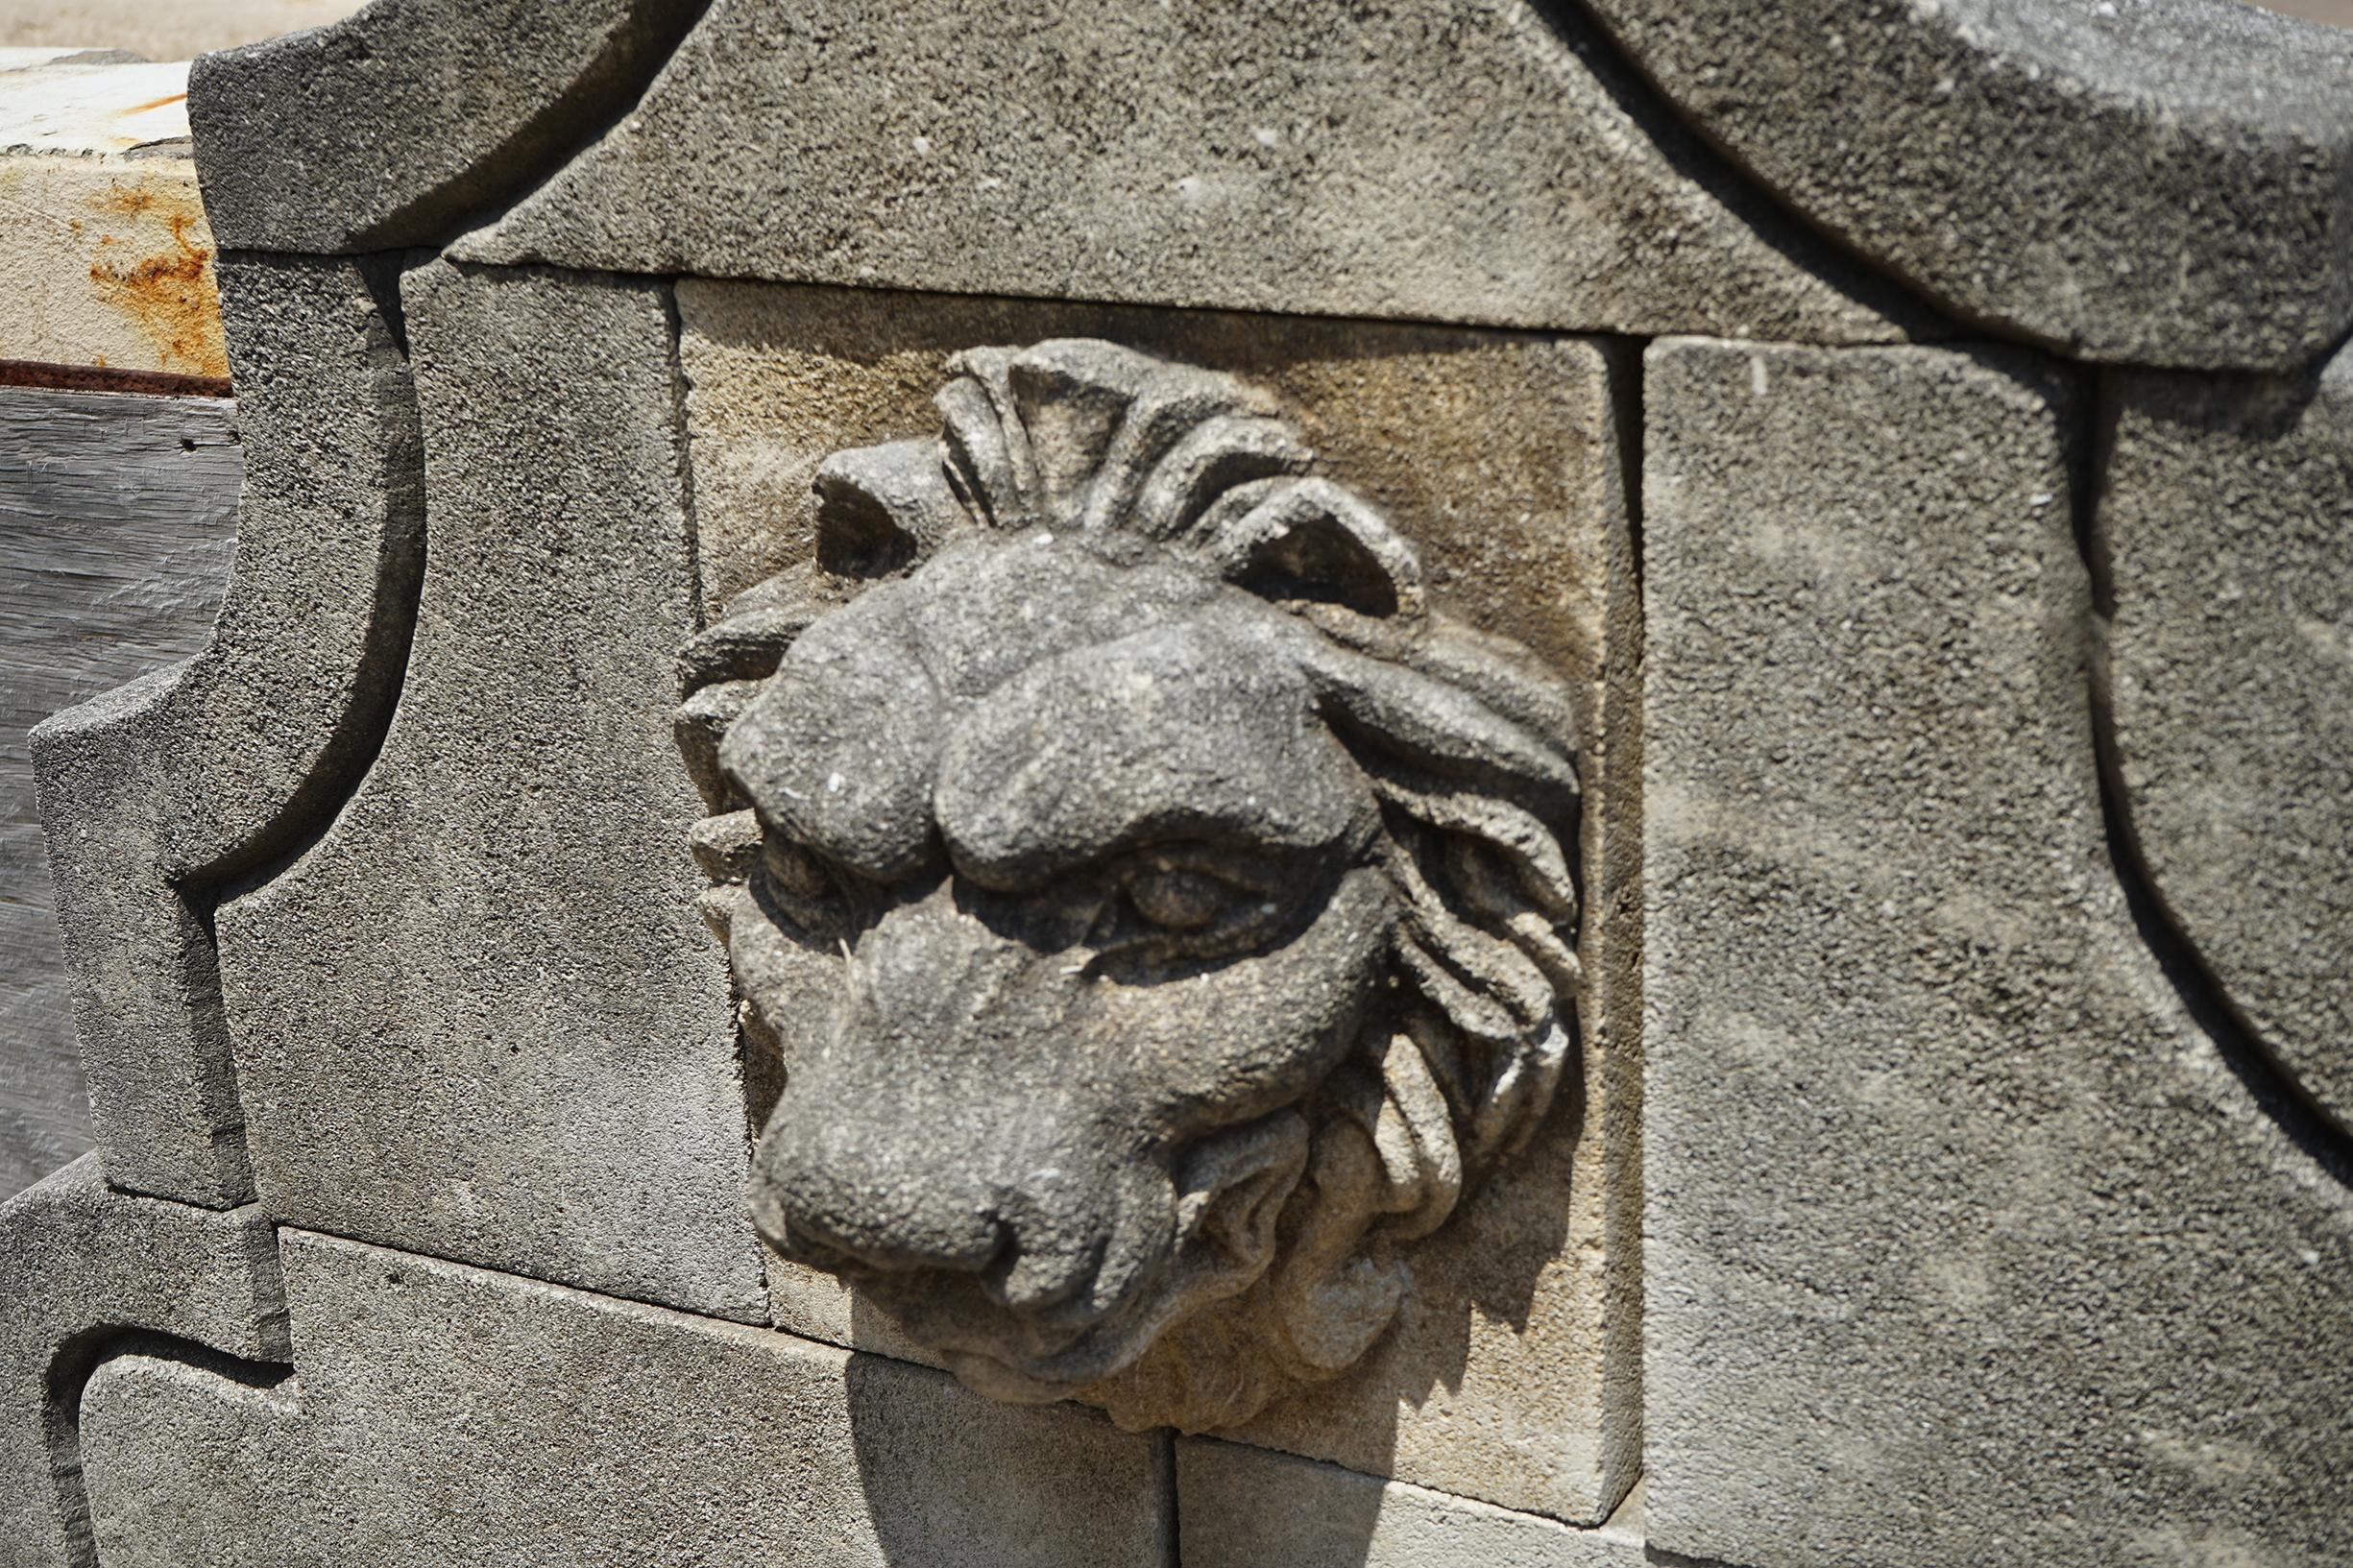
28 373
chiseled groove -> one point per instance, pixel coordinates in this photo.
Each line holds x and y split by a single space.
2270 1082
359 734
539 148
349 753
69 1374
1693 151
1630 396
1164 1477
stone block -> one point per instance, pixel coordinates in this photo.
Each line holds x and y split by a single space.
157 794
2162 181
120 522
1243 1508
2226 529
1512 1374
1287 158
479 1017
443 1415
387 129
1964 1232
86 1273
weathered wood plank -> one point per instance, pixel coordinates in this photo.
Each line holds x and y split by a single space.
117 518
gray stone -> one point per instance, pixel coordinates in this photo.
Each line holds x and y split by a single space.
87 1273
2160 181
157 794
116 524
2225 526
478 1017
446 1415
1290 159
1166 913
389 127
1511 1370
1243 1508
1962 1234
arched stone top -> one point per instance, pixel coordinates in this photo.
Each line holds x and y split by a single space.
394 126
2156 181
2165 182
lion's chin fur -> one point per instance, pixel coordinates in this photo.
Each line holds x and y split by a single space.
1312 1316
1322 1291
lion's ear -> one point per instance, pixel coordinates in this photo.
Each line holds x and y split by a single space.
1308 539
879 508
1385 711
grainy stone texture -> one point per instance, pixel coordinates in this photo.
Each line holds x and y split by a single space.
1283 159
2226 527
2160 181
106 250
387 128
446 1415
1171 994
158 792
2335 13
1982 1224
83 1270
1959 1228
1241 1507
479 1017
1516 501
115 532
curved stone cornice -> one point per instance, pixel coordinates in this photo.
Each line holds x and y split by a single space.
390 128
2155 182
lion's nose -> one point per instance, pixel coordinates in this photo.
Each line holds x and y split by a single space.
823 1184
946 1118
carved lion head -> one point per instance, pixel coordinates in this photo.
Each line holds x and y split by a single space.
1159 914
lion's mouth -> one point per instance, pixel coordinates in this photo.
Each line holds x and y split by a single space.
1225 1212
1031 1353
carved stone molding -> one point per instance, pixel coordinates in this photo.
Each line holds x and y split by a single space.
1155 913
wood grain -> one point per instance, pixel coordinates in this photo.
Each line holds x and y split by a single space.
117 524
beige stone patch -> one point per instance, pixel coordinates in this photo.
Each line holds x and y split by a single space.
103 237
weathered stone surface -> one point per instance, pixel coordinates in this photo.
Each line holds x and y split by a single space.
156 793
480 1018
1959 1228
115 532
1184 975
1276 159
2226 527
1511 1374
389 127
441 1414
107 254
2160 181
84 1273
1243 1508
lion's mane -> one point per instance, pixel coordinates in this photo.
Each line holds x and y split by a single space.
1465 740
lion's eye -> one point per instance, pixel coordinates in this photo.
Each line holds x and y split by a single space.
794 870
1181 900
